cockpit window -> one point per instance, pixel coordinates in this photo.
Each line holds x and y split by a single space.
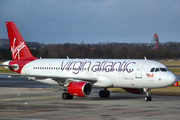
157 69
152 70
163 69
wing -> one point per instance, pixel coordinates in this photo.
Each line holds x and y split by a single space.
43 77
56 78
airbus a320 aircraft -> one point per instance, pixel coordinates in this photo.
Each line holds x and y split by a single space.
78 77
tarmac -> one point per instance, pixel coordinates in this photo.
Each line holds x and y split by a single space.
46 104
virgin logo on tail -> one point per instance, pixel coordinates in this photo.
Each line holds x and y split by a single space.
16 49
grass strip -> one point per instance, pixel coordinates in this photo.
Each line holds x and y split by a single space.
170 63
4 70
175 71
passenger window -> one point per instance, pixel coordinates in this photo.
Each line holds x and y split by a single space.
157 69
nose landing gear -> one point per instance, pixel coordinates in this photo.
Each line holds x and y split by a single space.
147 97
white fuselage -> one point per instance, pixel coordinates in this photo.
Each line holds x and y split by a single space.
109 72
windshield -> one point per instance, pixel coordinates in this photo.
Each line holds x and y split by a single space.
163 69
159 69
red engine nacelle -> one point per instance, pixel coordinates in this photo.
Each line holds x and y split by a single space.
79 89
135 90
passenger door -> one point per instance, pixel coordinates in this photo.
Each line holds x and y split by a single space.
139 70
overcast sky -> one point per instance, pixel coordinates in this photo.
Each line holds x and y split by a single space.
94 21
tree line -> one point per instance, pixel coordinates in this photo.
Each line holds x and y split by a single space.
169 50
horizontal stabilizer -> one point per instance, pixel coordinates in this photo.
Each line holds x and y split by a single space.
13 66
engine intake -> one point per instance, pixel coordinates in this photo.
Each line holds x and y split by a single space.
80 89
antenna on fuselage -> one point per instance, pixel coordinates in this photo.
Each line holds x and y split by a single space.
145 58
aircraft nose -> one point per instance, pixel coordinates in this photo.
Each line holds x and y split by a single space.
171 79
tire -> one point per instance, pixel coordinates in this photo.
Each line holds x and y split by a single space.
107 93
146 98
70 97
65 96
102 94
149 98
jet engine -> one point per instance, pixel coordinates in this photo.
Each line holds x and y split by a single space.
79 89
135 90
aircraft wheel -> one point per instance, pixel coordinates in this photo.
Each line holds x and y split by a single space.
65 96
70 97
107 93
148 98
102 94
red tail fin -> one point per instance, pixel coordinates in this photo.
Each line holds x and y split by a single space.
19 49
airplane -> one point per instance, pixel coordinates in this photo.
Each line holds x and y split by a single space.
79 77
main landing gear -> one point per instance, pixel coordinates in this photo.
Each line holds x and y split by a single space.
104 93
66 96
147 97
